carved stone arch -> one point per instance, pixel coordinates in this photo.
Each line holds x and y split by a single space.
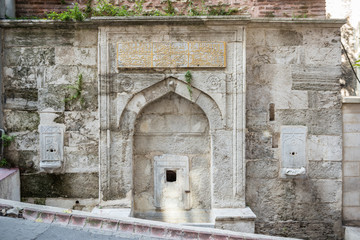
158 90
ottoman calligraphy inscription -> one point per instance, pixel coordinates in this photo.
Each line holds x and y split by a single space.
171 54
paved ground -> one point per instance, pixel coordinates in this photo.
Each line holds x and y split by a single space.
20 229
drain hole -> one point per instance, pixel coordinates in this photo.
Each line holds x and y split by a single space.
170 176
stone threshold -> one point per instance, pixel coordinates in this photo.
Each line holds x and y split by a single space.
84 220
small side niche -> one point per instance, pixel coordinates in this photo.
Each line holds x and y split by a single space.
51 146
271 112
293 151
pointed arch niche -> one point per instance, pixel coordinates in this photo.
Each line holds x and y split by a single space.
218 99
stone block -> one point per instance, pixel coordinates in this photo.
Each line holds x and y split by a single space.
351 153
291 117
324 122
351 118
324 147
172 123
258 145
255 37
329 56
254 102
30 56
351 213
351 169
20 104
291 99
283 37
25 141
52 99
329 191
19 121
176 144
23 77
322 38
324 99
324 170
85 38
81 158
317 78
18 37
68 75
351 184
352 139
257 119
351 128
76 56
262 169
351 199
73 185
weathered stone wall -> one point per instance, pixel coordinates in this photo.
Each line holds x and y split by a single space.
293 66
297 69
39 65
257 8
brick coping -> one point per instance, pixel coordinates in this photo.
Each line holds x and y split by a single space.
85 220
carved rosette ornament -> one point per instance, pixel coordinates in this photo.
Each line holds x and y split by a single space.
213 82
126 84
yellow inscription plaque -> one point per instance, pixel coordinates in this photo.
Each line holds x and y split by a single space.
171 54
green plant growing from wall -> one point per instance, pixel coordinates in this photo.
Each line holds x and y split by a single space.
4 163
139 7
170 10
7 140
220 10
76 91
188 79
74 14
357 63
105 8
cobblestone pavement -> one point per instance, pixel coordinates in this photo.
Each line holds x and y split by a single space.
20 229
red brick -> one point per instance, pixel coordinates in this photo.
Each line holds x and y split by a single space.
78 221
126 227
190 235
93 223
158 231
30 214
62 219
46 217
110 225
142 229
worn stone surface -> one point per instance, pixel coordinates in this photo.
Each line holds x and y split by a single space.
297 70
171 125
68 185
